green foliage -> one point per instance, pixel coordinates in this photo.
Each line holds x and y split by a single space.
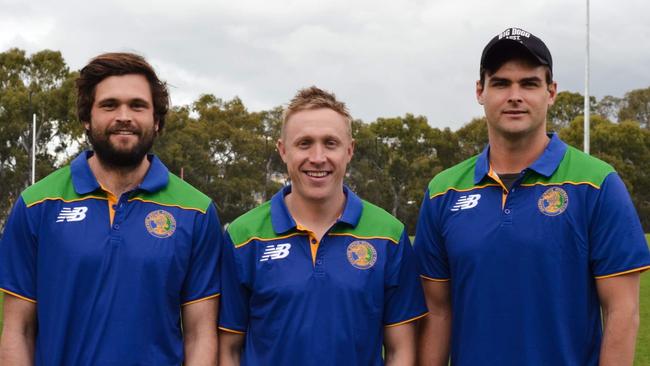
226 152
626 146
567 106
473 137
636 107
40 84
395 158
229 153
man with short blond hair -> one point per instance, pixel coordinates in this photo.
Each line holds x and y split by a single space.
318 276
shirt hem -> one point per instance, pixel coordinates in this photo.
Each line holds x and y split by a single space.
638 269
434 279
231 330
201 299
17 295
407 320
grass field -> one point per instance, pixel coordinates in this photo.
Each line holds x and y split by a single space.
643 340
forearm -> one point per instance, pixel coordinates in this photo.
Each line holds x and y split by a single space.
619 335
434 339
17 344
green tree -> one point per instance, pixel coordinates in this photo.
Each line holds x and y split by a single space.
636 106
473 137
567 106
42 84
226 152
609 107
626 146
396 157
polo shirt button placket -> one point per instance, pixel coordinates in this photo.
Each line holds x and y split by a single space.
318 267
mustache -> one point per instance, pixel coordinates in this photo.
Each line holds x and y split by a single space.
124 127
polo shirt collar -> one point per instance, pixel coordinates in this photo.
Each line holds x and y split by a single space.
283 222
157 176
545 165
84 181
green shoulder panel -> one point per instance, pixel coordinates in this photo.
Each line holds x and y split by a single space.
178 193
57 185
255 223
375 222
459 177
576 168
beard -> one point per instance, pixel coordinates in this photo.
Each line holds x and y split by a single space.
112 156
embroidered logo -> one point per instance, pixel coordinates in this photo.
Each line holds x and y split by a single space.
160 224
275 252
553 201
361 254
466 202
71 214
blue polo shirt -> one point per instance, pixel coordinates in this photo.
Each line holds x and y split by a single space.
304 302
109 278
524 262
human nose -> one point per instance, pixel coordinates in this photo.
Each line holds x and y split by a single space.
515 95
317 154
123 113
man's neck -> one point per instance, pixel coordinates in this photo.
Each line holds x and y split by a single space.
317 216
515 155
118 180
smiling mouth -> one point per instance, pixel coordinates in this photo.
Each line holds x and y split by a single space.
123 132
317 174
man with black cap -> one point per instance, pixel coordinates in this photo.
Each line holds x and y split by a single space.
521 246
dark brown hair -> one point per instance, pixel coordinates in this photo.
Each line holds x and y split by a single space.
117 64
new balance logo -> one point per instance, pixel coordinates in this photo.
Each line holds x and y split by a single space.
465 202
276 252
70 214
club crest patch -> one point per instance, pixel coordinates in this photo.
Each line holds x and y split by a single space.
553 201
361 254
160 224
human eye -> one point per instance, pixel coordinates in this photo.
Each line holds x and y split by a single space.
531 83
499 83
139 105
108 105
303 143
331 143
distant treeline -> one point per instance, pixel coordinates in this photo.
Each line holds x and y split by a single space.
229 152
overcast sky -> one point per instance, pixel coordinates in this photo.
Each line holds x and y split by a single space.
383 58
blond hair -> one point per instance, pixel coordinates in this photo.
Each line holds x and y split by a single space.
315 98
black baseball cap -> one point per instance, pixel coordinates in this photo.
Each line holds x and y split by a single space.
515 38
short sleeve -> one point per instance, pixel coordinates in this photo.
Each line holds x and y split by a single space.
203 277
18 252
404 299
234 305
429 245
617 242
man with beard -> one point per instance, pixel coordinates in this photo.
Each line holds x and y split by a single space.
112 252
